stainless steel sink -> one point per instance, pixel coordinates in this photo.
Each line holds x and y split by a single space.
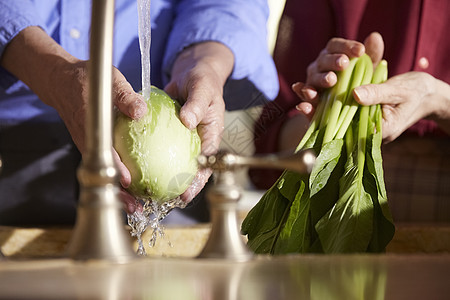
35 268
288 277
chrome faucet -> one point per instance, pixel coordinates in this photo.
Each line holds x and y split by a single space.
225 240
100 231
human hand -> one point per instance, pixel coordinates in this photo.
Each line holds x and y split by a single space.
72 86
406 99
335 57
198 76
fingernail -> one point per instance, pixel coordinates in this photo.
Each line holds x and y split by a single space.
131 208
328 77
356 50
309 93
125 176
305 110
297 88
137 109
342 61
360 93
190 120
295 85
124 183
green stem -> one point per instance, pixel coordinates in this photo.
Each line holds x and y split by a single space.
378 118
372 112
357 77
313 125
349 140
328 97
366 76
381 73
362 139
341 93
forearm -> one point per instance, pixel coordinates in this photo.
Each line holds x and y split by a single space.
33 57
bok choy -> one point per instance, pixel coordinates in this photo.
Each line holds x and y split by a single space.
341 207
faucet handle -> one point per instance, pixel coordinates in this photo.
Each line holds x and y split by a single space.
301 161
224 239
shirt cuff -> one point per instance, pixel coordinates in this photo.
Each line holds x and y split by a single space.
15 16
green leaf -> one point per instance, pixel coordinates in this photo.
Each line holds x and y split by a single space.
324 199
263 221
347 227
375 151
384 227
289 184
294 237
324 166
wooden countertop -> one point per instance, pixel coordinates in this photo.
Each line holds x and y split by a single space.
22 242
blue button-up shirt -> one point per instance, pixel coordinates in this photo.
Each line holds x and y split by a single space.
240 25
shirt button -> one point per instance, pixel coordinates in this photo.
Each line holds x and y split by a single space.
75 33
423 62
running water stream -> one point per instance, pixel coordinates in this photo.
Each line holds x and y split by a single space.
152 212
144 30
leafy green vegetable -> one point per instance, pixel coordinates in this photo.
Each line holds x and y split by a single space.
160 152
341 207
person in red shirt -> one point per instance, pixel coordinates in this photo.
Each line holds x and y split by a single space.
416 98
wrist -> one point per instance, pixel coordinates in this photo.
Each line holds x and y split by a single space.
441 98
213 55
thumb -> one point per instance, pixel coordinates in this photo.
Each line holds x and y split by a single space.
195 108
374 45
126 99
369 94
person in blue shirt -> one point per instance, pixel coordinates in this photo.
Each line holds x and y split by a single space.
211 54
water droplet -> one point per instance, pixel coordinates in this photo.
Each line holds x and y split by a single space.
151 217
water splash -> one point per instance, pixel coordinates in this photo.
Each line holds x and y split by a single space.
151 217
144 31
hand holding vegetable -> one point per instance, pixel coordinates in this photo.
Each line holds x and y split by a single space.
60 80
198 76
321 73
405 98
341 206
159 151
